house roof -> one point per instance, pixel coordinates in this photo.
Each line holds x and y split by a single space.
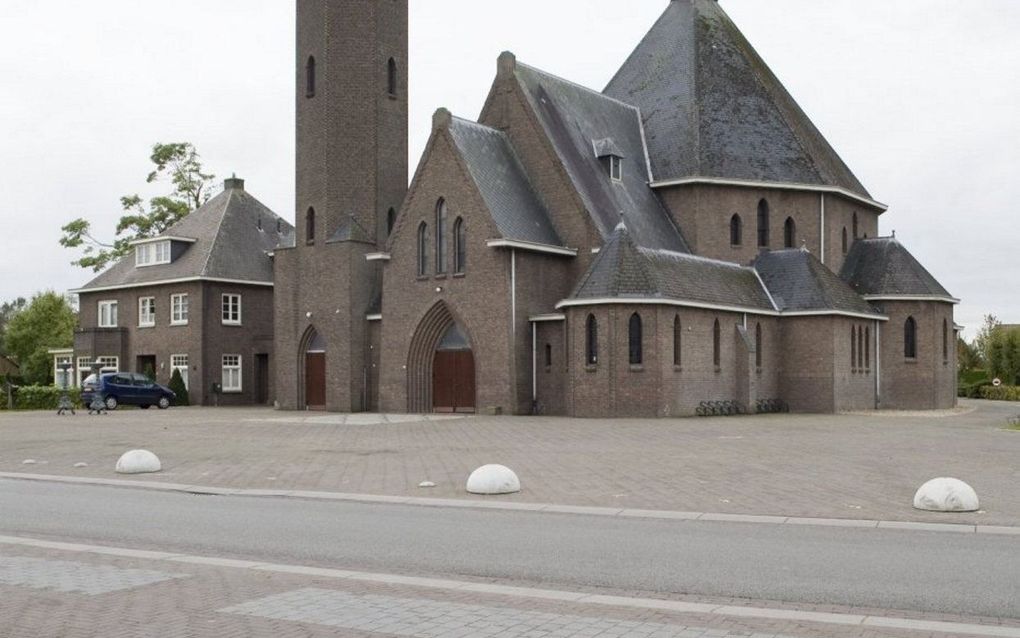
882 266
228 245
7 364
624 270
799 282
712 108
575 119
497 172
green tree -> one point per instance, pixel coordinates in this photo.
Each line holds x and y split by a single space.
178 388
48 321
983 340
180 164
7 311
1010 357
968 356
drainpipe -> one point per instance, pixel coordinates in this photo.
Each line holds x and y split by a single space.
534 366
513 298
878 364
821 226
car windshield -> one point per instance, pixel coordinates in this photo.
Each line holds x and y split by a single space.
90 380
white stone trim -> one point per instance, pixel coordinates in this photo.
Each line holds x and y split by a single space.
841 313
164 282
952 300
532 246
548 317
374 317
601 301
748 183
377 257
152 240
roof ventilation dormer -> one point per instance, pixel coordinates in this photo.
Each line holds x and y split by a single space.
607 151
233 182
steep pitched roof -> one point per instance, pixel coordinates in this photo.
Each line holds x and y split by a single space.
515 208
883 266
228 245
799 282
575 119
350 230
624 270
713 108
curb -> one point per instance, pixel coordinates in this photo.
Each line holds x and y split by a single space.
545 508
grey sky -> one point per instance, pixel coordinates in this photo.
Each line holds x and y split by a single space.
920 98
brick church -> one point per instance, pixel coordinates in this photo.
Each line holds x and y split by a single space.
684 236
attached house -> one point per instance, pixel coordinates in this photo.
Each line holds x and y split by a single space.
197 298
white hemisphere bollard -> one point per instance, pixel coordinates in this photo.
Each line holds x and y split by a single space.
493 479
946 495
138 462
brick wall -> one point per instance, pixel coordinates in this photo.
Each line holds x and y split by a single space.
927 381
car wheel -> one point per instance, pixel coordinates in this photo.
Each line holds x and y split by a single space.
111 403
164 403
145 407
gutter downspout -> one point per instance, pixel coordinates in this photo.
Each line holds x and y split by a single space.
878 364
534 367
821 226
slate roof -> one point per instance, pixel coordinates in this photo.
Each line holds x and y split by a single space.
799 282
883 266
515 208
350 230
713 108
228 245
622 269
574 118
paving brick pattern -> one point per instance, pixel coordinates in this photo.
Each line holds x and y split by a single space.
65 576
841 466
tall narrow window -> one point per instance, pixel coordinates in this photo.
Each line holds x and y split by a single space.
763 224
736 231
591 337
867 348
717 344
548 355
945 341
391 218
634 339
310 77
310 226
230 310
845 243
423 249
789 233
459 246
910 338
757 346
231 373
853 348
860 348
391 77
855 226
678 338
441 237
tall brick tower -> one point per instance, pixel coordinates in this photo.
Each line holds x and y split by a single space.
351 101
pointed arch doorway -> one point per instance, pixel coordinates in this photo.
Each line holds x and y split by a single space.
315 370
453 373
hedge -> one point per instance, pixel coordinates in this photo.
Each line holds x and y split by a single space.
38 397
973 390
1001 393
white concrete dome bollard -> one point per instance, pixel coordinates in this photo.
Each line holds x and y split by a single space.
493 479
138 462
946 495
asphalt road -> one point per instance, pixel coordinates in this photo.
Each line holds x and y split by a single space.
889 569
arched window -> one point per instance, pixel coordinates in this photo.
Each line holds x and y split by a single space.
548 355
310 226
763 224
844 240
310 77
678 339
867 348
391 218
853 348
459 246
441 237
736 231
591 335
945 341
789 233
910 338
860 348
855 226
391 77
634 339
757 346
423 249
717 344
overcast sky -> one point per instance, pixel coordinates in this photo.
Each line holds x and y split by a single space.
921 98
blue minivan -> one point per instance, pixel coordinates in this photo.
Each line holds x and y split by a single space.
126 388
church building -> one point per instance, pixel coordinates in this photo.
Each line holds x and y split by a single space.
683 239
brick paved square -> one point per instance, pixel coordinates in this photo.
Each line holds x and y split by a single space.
73 577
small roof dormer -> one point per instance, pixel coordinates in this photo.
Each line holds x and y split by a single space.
161 250
610 154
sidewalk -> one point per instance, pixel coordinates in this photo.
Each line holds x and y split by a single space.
842 466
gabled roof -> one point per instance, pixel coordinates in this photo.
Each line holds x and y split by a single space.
574 119
799 282
515 208
623 270
228 245
883 267
712 107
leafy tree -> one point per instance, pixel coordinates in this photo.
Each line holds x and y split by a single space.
968 355
46 322
983 341
180 164
178 388
7 311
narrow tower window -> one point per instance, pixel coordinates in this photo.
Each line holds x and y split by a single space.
459 246
678 335
844 240
591 341
910 338
548 355
391 77
736 231
867 348
441 237
853 348
634 333
310 77
855 226
716 344
310 226
945 341
423 249
391 218
860 347
789 233
763 224
757 346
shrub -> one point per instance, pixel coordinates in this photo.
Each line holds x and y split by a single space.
1001 393
178 388
40 397
973 390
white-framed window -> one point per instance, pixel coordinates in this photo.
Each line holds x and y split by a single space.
152 254
107 314
179 309
231 373
84 369
180 362
616 167
63 379
232 310
146 312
